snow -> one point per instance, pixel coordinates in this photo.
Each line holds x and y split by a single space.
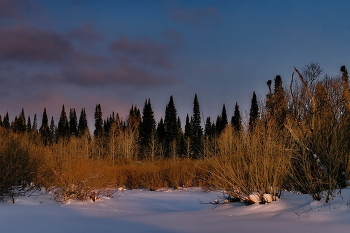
173 211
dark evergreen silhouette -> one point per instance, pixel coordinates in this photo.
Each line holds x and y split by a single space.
236 120
63 126
188 127
6 121
134 118
83 124
222 121
29 125
19 125
276 103
197 131
209 129
161 134
35 124
171 128
98 122
148 125
345 75
53 130
73 122
254 112
44 129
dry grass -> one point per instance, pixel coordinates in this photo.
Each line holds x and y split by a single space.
253 163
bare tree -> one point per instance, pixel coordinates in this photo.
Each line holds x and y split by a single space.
311 72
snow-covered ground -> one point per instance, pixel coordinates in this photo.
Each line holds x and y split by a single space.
174 211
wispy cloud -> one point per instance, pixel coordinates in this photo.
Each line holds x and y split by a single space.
85 33
143 52
123 74
31 44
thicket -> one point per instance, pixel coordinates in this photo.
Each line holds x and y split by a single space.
296 139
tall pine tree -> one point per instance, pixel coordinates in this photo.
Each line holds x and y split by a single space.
73 122
171 128
222 121
98 122
6 121
254 112
83 124
63 126
44 129
148 124
236 120
35 124
197 131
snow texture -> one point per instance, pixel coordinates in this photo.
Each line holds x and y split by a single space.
174 211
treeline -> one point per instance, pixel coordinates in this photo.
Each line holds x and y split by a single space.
296 139
139 136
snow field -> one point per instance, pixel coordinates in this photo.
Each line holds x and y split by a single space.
174 211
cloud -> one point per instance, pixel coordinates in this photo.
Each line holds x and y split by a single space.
21 9
173 35
86 33
123 74
143 52
194 16
30 44
9 8
89 59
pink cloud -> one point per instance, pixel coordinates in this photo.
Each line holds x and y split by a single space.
30 44
20 9
86 32
125 74
143 51
89 59
9 8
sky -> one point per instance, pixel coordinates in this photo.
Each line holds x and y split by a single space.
80 53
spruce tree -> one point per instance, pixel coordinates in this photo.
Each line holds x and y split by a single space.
148 124
53 131
236 120
44 129
218 125
63 126
98 122
171 127
19 125
222 123
73 122
197 131
161 134
254 112
208 129
83 124
276 104
6 122
35 124
188 127
29 125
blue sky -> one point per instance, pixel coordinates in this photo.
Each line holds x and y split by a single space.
119 53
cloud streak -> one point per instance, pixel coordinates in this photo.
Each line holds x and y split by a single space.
143 51
31 44
124 74
86 33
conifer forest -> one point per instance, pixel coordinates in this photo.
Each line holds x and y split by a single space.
296 138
